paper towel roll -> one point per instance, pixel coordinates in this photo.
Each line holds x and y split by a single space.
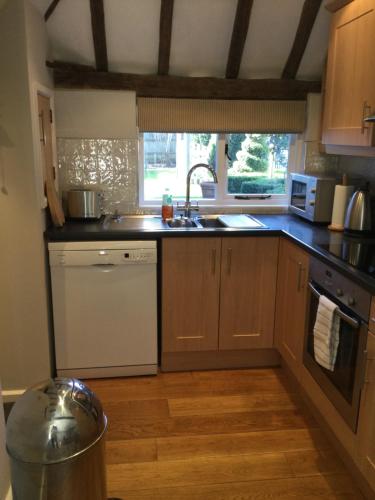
340 202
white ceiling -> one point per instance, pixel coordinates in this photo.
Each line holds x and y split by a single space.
201 36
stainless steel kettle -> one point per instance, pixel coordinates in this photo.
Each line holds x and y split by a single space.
358 213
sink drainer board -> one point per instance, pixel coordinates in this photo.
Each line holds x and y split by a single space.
241 221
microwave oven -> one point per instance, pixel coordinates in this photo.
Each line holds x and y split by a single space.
311 197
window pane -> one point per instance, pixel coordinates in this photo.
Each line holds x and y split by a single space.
167 160
257 163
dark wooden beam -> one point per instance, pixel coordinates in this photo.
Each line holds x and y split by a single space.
165 36
51 9
185 87
309 12
69 66
239 34
98 34
336 5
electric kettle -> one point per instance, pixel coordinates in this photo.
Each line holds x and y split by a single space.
358 213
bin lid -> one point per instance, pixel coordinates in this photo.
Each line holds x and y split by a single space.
53 421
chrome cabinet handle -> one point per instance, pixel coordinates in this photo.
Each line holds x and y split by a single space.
299 276
213 260
229 260
366 111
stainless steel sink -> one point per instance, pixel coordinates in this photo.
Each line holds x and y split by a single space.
209 221
181 222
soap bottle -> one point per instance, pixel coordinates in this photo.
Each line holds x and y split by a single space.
167 206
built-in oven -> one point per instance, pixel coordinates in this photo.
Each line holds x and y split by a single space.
343 385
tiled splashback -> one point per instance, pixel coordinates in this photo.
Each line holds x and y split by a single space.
109 165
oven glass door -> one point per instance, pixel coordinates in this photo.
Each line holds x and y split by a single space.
343 385
298 198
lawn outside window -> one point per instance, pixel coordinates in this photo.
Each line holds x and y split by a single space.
248 166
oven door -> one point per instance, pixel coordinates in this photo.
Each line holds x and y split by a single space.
343 385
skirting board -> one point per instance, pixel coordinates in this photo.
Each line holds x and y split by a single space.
109 372
341 451
212 360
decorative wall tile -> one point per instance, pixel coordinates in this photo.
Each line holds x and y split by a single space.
317 162
108 165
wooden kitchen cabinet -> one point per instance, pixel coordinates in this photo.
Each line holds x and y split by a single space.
349 89
366 423
247 292
218 294
291 303
190 293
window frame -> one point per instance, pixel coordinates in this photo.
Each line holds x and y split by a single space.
223 199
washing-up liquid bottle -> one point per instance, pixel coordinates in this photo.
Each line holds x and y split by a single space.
167 206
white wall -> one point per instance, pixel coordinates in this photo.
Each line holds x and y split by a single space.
24 335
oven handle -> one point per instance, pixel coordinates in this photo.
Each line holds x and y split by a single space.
348 319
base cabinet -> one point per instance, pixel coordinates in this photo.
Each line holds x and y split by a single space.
218 293
291 303
366 424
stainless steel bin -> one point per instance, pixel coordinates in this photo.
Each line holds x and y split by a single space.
55 442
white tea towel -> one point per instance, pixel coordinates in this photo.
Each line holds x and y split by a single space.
326 333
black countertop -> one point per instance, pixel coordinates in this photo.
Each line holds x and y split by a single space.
312 238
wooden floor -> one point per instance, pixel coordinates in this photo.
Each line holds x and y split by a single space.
217 435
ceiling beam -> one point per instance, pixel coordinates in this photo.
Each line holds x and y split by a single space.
309 12
335 5
184 87
239 34
98 34
165 36
51 9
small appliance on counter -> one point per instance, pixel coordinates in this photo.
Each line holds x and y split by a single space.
84 203
358 214
311 197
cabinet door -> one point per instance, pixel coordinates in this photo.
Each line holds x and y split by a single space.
291 304
247 292
366 429
190 294
350 90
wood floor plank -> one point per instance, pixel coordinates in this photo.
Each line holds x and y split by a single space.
313 462
178 448
154 408
198 471
232 404
136 450
209 424
335 487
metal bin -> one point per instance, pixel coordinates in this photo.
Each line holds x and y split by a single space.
55 442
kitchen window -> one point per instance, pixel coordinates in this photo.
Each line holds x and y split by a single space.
252 169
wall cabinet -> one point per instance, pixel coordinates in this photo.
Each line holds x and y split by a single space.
291 304
218 293
349 90
366 427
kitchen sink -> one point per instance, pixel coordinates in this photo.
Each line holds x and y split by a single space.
209 221
181 222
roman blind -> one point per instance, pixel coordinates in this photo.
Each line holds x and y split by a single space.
210 115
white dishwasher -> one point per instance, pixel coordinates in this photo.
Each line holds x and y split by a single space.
104 299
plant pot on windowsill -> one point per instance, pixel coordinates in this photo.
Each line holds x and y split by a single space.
208 189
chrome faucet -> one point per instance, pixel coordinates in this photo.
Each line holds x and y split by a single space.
187 207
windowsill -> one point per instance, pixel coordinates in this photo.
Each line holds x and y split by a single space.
266 209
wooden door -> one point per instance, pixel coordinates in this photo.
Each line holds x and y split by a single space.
190 294
366 424
247 292
291 304
349 90
49 173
